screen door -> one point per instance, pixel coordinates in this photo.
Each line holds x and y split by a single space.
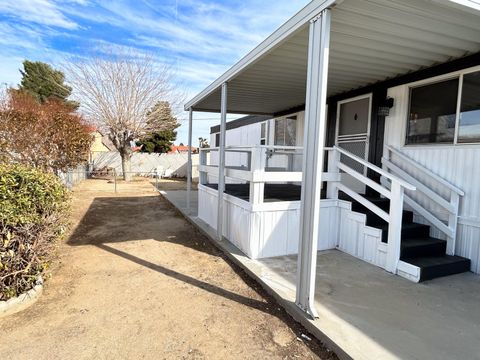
353 124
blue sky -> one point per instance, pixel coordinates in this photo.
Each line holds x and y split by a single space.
199 38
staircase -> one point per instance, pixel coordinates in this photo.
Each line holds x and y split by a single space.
417 247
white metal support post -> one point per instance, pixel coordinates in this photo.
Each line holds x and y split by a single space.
313 154
221 161
189 163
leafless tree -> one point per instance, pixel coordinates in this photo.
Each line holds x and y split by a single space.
117 92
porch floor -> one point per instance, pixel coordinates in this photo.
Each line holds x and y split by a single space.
367 313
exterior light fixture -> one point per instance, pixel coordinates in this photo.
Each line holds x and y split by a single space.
385 106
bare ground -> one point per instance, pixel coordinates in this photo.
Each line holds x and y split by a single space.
136 281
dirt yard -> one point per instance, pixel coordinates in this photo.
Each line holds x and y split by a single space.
136 281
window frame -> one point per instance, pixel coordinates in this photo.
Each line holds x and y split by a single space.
265 137
430 81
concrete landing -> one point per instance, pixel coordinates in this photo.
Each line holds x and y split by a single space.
367 313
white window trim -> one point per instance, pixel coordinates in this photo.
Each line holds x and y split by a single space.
453 75
265 137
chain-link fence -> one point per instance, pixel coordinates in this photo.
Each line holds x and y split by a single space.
108 180
74 177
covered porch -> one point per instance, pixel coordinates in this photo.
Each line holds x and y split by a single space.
365 312
329 51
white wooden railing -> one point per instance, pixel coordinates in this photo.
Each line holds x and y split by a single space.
396 195
256 170
451 204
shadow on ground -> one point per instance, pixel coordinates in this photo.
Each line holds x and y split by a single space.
113 220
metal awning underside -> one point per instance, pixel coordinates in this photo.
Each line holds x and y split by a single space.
371 41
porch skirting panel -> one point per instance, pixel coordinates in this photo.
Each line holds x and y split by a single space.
271 229
359 240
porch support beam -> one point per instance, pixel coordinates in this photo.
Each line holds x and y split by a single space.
313 154
221 161
189 162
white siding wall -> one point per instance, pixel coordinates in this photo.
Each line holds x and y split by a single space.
249 135
242 136
459 165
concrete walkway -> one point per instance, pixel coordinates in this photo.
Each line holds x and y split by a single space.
367 313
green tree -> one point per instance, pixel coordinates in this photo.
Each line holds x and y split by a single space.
159 142
45 83
161 125
160 118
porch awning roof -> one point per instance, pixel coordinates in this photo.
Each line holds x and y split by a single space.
371 41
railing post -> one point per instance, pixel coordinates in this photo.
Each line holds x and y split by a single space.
289 162
257 165
452 222
203 161
395 227
333 160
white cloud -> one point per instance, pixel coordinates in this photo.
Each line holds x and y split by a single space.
200 38
20 37
43 12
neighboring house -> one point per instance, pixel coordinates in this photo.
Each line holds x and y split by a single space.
100 144
181 149
379 103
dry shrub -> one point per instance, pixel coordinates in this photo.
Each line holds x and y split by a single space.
48 136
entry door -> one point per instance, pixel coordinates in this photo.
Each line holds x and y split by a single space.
353 130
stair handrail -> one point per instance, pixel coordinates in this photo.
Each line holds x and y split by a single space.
375 168
395 194
451 205
425 170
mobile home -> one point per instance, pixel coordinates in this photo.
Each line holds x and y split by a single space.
363 135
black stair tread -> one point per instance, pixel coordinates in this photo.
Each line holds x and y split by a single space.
409 231
422 247
437 266
371 212
373 199
412 242
407 227
375 221
411 225
417 247
430 261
